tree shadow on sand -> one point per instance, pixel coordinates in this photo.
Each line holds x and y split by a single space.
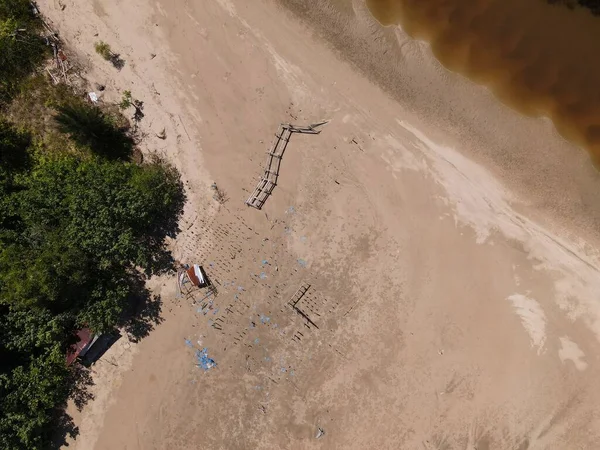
80 381
144 313
91 127
64 429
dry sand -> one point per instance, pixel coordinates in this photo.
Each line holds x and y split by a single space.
450 244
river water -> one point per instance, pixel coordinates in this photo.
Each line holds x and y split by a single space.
539 58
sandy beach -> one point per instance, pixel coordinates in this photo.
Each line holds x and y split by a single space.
447 245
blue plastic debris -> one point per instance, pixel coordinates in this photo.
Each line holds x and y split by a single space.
265 262
283 370
188 343
263 275
302 262
264 319
256 341
204 361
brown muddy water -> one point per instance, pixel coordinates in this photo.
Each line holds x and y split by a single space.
542 59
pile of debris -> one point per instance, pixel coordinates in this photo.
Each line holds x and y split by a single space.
59 70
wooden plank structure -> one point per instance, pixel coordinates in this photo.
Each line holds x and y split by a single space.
268 180
293 303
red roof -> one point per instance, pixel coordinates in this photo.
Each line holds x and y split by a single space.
85 337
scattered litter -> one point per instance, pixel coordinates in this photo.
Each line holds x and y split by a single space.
188 343
265 262
252 325
93 97
240 288
256 341
264 319
292 373
303 238
204 361
320 433
283 370
291 210
287 230
263 275
302 262
267 358
216 311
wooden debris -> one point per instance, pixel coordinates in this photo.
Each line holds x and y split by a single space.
268 180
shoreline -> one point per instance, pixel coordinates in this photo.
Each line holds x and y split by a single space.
390 220
507 143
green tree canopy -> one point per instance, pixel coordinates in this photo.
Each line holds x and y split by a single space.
80 228
21 50
87 225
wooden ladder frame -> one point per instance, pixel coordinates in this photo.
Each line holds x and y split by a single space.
268 180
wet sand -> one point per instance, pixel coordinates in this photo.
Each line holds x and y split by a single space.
537 57
557 177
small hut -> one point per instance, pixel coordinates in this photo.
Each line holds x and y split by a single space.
86 340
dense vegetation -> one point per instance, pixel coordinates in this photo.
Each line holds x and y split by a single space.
80 227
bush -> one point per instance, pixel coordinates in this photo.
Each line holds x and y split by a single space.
90 127
103 49
20 53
